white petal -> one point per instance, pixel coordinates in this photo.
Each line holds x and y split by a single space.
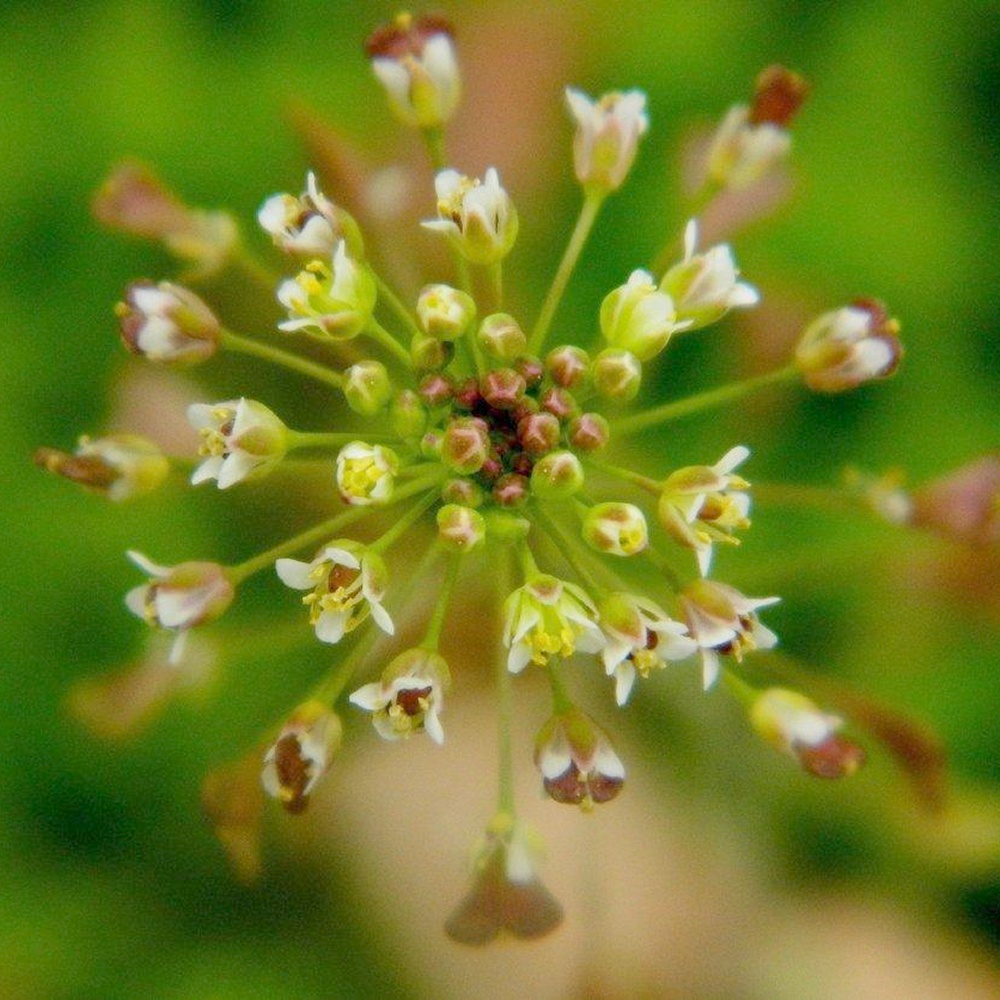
177 649
709 667
330 626
433 728
209 469
147 565
382 618
236 467
135 600
295 574
624 679
690 238
370 697
518 657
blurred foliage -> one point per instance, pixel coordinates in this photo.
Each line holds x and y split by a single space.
112 885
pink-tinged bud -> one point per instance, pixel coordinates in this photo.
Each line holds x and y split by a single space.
118 466
532 369
556 476
568 366
501 337
538 433
559 402
167 323
466 445
436 389
617 529
577 761
460 528
462 491
511 490
300 756
502 388
233 801
607 136
963 505
588 432
847 347
617 375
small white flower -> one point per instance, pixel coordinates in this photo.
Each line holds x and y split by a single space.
337 301
179 597
409 697
240 439
300 755
577 762
307 224
702 504
639 318
167 323
366 474
477 216
347 582
722 620
704 286
742 152
640 636
548 617
607 136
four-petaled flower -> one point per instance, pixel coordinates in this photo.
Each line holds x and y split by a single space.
240 438
347 581
306 224
366 473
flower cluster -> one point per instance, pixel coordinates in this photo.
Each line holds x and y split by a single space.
493 443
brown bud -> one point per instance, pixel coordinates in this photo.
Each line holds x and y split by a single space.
778 95
588 432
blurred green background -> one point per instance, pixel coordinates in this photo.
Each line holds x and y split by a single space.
111 884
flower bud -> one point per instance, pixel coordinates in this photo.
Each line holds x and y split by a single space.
847 347
240 439
588 432
409 418
460 528
414 60
511 489
501 337
301 755
366 474
445 312
167 323
502 388
466 445
117 466
579 765
617 374
538 433
556 475
704 286
559 402
477 216
617 529
336 301
309 224
429 354
367 388
636 317
568 366
607 136
532 369
465 492
793 724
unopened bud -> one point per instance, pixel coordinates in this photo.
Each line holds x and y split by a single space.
429 354
445 312
465 446
588 432
617 529
409 418
501 337
511 490
568 366
118 466
607 136
300 756
617 374
460 528
638 317
462 491
367 388
436 389
557 475
538 433
167 323
502 388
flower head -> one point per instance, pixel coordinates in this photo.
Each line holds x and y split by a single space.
240 439
414 60
702 504
847 347
640 636
300 755
309 224
346 582
334 301
180 597
577 762
722 620
409 697
548 617
167 323
607 136
366 473
477 216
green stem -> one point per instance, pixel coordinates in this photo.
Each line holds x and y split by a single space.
663 568
703 401
432 639
253 268
333 439
505 717
561 701
670 253
566 550
743 692
434 140
242 345
395 303
388 341
496 280
403 524
653 486
588 214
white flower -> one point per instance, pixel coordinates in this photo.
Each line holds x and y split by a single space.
702 504
477 216
179 597
704 286
366 473
638 318
300 755
347 581
307 224
240 438
548 617
607 136
167 323
640 636
578 764
337 301
617 529
445 313
847 347
414 60
722 620
742 152
409 697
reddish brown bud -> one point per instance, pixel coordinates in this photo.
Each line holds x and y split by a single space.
436 389
538 434
778 95
588 432
503 388
511 490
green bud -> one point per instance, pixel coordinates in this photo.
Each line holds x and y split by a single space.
557 475
617 374
501 337
367 388
409 418
460 528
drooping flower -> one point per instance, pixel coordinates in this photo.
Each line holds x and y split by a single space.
548 617
346 582
301 754
724 621
577 762
705 286
409 697
167 323
702 504
180 597
366 473
240 439
607 136
640 636
308 224
477 216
